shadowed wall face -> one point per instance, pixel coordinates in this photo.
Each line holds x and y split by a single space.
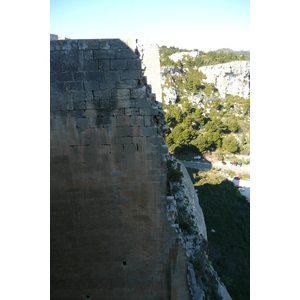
110 237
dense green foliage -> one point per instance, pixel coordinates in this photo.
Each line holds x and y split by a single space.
197 130
205 58
174 173
214 123
242 52
228 213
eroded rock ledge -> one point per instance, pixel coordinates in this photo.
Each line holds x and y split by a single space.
187 218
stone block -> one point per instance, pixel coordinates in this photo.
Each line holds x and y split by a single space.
105 105
91 85
123 103
74 55
154 111
103 65
93 105
88 65
70 105
105 54
55 124
69 66
126 53
122 140
82 123
57 87
112 75
78 76
138 93
74 86
76 113
93 44
147 121
145 111
88 54
118 44
55 66
129 84
130 74
107 84
132 111
165 149
128 131
130 148
118 112
57 56
94 76
79 95
122 94
137 120
134 64
60 77
143 103
91 113
149 132
102 94
118 64
58 106
123 121
79 105
61 45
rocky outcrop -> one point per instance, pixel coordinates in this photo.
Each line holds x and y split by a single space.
186 215
231 78
179 55
168 91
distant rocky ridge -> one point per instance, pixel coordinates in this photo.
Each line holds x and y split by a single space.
231 78
179 55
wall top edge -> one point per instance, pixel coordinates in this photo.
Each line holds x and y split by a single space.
82 44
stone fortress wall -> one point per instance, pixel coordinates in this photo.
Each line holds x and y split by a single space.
110 236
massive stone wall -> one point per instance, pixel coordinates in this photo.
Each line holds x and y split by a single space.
110 236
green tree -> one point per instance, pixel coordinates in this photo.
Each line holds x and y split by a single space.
228 104
232 125
201 143
215 125
216 104
230 144
246 107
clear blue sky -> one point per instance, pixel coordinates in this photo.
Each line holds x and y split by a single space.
204 25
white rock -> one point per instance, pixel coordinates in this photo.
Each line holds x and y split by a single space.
230 78
179 55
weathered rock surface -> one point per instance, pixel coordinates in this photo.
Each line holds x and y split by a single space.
231 78
183 206
193 201
179 55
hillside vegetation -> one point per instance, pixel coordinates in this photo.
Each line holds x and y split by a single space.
213 124
205 59
216 125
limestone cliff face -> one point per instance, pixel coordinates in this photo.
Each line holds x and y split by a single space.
179 55
231 78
